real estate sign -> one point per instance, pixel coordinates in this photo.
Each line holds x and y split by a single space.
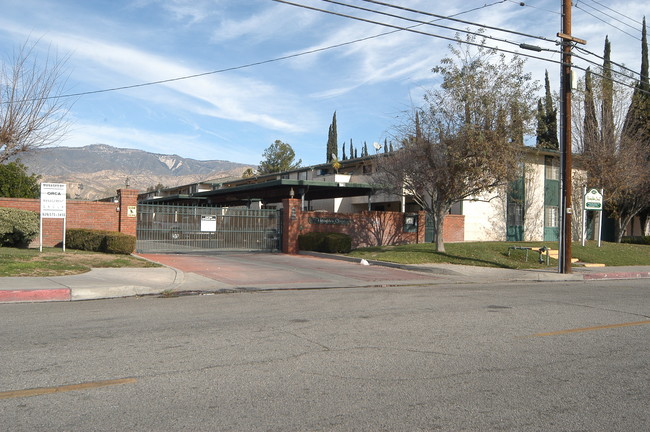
53 203
53 200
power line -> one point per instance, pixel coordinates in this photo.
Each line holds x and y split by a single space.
603 58
259 63
411 29
609 16
609 24
520 3
431 23
460 21
615 11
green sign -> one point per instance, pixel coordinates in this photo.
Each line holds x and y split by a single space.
593 200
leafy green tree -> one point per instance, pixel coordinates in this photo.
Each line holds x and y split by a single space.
459 144
16 183
248 173
278 157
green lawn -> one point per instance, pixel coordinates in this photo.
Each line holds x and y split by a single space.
495 254
55 262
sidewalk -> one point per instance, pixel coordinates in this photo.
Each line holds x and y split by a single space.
240 272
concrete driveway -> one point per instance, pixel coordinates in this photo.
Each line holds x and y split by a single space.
281 271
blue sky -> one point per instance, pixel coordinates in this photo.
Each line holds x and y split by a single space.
236 114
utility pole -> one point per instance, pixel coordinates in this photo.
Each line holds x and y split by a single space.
565 137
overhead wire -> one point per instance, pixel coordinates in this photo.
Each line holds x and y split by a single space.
431 23
458 20
615 11
524 4
606 22
244 66
611 17
413 30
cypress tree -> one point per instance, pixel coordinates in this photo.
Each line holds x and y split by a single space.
547 119
607 112
385 145
353 153
637 120
541 124
332 140
590 124
551 117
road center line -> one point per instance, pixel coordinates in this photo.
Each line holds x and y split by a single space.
60 389
585 329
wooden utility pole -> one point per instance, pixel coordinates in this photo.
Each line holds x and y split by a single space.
565 137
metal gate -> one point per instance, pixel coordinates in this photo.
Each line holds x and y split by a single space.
176 228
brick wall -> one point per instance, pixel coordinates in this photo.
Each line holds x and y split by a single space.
109 216
365 228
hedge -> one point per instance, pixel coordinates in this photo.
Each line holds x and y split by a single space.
18 227
325 242
99 241
637 240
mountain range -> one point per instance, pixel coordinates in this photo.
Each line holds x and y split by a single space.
98 170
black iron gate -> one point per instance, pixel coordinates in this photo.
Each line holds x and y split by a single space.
176 228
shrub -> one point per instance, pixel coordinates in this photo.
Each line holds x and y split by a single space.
325 242
99 241
636 240
18 227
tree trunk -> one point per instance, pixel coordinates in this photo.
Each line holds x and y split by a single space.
622 225
438 228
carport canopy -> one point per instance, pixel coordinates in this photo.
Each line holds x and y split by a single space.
269 192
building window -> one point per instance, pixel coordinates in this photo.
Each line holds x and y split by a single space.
551 216
552 168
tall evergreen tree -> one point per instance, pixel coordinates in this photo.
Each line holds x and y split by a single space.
590 123
385 145
607 126
344 157
541 124
332 140
353 153
547 119
364 152
637 119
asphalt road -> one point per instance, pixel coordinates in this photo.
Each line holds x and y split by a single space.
518 357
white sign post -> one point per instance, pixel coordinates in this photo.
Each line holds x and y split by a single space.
53 205
593 200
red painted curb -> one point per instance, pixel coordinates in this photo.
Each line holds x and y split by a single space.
619 275
61 294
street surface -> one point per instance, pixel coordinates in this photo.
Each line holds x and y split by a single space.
515 357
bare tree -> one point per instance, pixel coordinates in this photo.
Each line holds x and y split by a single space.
460 144
32 112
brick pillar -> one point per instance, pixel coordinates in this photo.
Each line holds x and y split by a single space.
128 199
422 226
291 217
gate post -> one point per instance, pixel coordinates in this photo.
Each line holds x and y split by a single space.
128 203
291 220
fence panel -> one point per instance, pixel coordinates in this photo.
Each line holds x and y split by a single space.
176 228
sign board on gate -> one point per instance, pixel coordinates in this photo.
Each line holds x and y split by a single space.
53 200
593 200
